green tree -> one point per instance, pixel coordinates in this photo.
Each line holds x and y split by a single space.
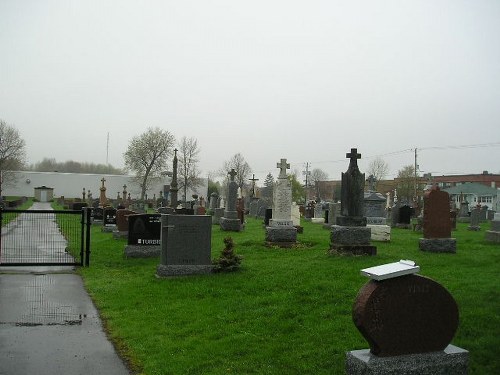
147 156
12 153
188 172
297 189
406 183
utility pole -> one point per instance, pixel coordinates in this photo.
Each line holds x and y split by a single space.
306 173
416 184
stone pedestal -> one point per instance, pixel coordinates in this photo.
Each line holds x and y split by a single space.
163 270
229 224
452 360
285 236
380 233
351 240
438 245
142 251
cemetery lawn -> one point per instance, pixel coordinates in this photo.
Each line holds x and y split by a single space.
287 311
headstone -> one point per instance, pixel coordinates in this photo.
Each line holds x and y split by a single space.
463 214
491 215
395 214
165 210
408 321
213 201
483 212
97 215
185 245
102 197
280 231
240 208
350 234
295 213
78 206
319 214
376 216
218 213
436 223
333 212
109 219
122 223
493 235
254 208
268 215
405 214
453 219
475 219
144 233
230 220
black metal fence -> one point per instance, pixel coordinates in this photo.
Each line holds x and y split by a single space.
44 237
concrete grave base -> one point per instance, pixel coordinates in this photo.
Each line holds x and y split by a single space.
142 251
452 360
353 250
341 235
438 245
463 219
120 234
380 233
163 270
492 236
108 229
281 236
474 228
317 220
327 226
232 225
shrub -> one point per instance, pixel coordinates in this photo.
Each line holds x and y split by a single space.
228 261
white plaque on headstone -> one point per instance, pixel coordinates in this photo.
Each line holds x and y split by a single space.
391 270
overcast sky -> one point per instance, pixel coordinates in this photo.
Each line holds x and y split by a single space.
302 80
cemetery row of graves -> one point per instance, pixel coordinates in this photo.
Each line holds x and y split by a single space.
298 304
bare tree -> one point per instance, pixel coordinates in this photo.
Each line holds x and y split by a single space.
406 183
239 164
12 152
378 168
147 155
315 177
188 164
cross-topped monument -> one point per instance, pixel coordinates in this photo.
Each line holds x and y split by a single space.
173 184
253 179
232 173
354 156
283 166
102 198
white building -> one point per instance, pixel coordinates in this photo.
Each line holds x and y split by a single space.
71 185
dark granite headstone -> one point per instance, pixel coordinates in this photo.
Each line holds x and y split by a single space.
97 214
405 315
109 216
78 206
186 245
268 216
144 229
405 213
436 222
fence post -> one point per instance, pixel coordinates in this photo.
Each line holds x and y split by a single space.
87 240
82 237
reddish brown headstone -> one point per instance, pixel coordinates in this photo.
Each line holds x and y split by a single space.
122 219
436 223
405 315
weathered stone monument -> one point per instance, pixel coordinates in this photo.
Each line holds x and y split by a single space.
122 223
230 220
436 223
185 245
475 219
463 214
493 235
280 230
376 216
174 187
333 212
350 234
144 236
408 321
103 201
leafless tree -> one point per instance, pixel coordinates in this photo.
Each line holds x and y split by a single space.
378 168
12 152
189 175
147 155
239 164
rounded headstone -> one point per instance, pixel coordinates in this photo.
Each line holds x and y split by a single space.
405 315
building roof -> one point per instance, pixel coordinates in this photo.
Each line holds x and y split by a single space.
472 188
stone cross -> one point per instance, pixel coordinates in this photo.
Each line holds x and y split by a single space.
253 179
103 180
283 166
232 173
354 156
371 182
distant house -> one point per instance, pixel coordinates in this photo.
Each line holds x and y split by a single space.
475 193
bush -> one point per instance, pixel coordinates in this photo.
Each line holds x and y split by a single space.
228 260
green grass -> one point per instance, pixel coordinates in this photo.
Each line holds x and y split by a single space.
8 217
287 311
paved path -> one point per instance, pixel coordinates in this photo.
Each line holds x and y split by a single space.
49 325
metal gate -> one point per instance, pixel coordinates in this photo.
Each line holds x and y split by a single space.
44 237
